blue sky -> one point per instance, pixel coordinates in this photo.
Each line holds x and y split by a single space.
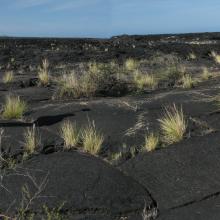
105 18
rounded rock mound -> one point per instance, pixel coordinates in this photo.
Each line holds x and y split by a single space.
78 183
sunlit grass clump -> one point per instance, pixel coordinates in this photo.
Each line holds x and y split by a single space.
8 77
173 125
94 67
131 64
187 81
43 73
14 107
144 81
92 139
192 56
74 86
70 134
206 74
31 140
69 85
114 157
215 56
89 84
151 142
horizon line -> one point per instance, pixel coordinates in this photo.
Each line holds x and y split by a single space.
110 37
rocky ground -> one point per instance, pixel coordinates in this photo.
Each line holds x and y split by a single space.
180 181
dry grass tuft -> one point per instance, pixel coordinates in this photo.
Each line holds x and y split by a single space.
14 107
31 140
94 67
215 56
74 86
43 73
70 134
143 81
69 85
206 74
131 64
187 81
101 72
92 139
192 56
115 157
173 72
173 125
151 142
89 84
8 77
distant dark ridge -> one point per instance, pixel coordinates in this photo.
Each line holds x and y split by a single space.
202 35
51 38
205 35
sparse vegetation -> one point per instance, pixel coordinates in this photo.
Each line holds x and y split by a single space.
43 73
14 107
192 56
69 85
162 59
115 157
102 72
173 125
133 151
187 81
216 99
173 72
89 84
149 214
74 86
31 140
5 161
216 57
206 74
70 134
144 81
151 142
53 214
8 77
92 139
128 133
131 64
94 67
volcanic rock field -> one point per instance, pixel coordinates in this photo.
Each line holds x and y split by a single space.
90 142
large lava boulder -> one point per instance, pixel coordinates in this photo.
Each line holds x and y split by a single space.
82 183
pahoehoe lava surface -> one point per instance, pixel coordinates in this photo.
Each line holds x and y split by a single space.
180 175
176 182
84 184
